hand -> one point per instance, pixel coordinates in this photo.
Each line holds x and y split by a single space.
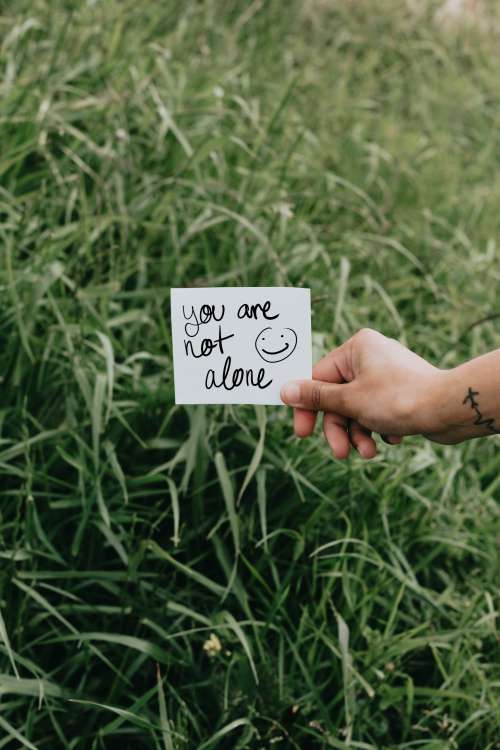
370 383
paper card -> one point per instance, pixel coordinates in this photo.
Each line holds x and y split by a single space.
238 345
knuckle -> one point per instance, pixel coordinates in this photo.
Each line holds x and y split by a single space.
316 392
364 333
331 419
404 408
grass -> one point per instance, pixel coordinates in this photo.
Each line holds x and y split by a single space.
349 147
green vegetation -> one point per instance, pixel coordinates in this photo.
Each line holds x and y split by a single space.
146 602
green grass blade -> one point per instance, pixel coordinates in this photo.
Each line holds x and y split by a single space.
164 723
12 732
4 636
236 628
224 731
228 495
259 449
207 583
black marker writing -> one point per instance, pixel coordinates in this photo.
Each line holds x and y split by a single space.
281 343
205 315
231 380
480 420
252 311
207 345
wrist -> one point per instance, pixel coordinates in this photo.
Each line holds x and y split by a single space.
439 410
450 414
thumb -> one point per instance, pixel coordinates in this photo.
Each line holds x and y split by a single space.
316 395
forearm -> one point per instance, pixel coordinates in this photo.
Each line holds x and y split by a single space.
467 403
374 384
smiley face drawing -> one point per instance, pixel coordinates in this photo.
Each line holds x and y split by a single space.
275 344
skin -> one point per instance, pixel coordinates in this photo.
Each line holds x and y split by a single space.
374 384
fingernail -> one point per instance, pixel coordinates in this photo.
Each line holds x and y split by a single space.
290 393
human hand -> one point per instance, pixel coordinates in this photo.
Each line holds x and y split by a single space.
370 383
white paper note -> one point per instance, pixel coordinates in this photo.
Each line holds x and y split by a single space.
238 345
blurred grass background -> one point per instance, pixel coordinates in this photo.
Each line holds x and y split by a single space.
351 147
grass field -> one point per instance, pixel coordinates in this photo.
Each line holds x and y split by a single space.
145 601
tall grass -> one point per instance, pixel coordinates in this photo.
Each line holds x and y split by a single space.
196 577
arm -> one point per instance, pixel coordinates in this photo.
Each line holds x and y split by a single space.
470 402
373 383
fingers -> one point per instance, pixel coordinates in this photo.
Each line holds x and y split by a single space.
334 367
342 433
316 395
391 439
330 369
334 428
362 440
303 422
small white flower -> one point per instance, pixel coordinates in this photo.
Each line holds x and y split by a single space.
285 210
212 646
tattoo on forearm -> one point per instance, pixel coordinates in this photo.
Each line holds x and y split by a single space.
480 420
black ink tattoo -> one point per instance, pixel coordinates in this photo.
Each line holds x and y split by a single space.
480 420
